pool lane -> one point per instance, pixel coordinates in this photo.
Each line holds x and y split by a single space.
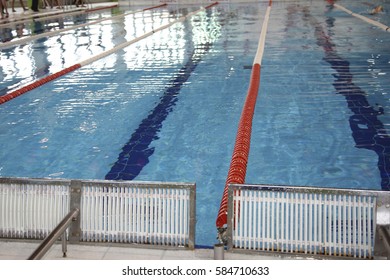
367 130
136 152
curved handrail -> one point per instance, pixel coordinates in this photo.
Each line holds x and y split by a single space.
54 235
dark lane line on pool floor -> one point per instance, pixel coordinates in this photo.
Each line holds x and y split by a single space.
367 130
136 152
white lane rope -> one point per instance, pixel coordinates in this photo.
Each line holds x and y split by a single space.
55 32
366 19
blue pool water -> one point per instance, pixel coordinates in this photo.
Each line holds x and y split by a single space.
167 107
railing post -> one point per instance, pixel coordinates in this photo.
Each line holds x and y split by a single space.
75 201
382 231
64 245
227 235
192 221
219 250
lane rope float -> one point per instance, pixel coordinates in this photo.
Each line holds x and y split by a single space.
239 161
55 32
364 18
9 96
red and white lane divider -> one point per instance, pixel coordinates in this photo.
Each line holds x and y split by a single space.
11 95
55 32
238 164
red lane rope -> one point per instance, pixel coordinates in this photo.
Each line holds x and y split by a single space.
209 6
13 94
239 161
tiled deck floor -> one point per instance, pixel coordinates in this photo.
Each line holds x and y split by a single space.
11 250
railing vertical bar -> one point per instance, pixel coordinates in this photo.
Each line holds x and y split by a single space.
305 238
245 206
321 215
371 223
103 211
89 204
264 223
257 217
359 221
18 219
237 218
339 227
100 212
11 218
93 207
34 220
370 236
365 233
122 215
336 225
170 217
137 213
268 223
324 225
250 228
141 225
153 214
301 225
350 222
277 222
45 206
2 210
289 221
345 221
296 222
159 216
175 213
165 218
190 208
133 214
181 218
354 226
115 215
3 200
309 206
315 224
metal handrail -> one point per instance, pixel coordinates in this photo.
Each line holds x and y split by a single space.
54 235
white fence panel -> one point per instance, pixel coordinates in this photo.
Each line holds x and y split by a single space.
303 220
110 211
31 209
131 214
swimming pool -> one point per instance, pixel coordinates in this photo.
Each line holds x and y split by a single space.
181 92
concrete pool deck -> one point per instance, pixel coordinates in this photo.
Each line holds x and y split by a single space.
19 250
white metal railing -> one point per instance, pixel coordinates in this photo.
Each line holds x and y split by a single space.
110 211
31 208
137 213
318 221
